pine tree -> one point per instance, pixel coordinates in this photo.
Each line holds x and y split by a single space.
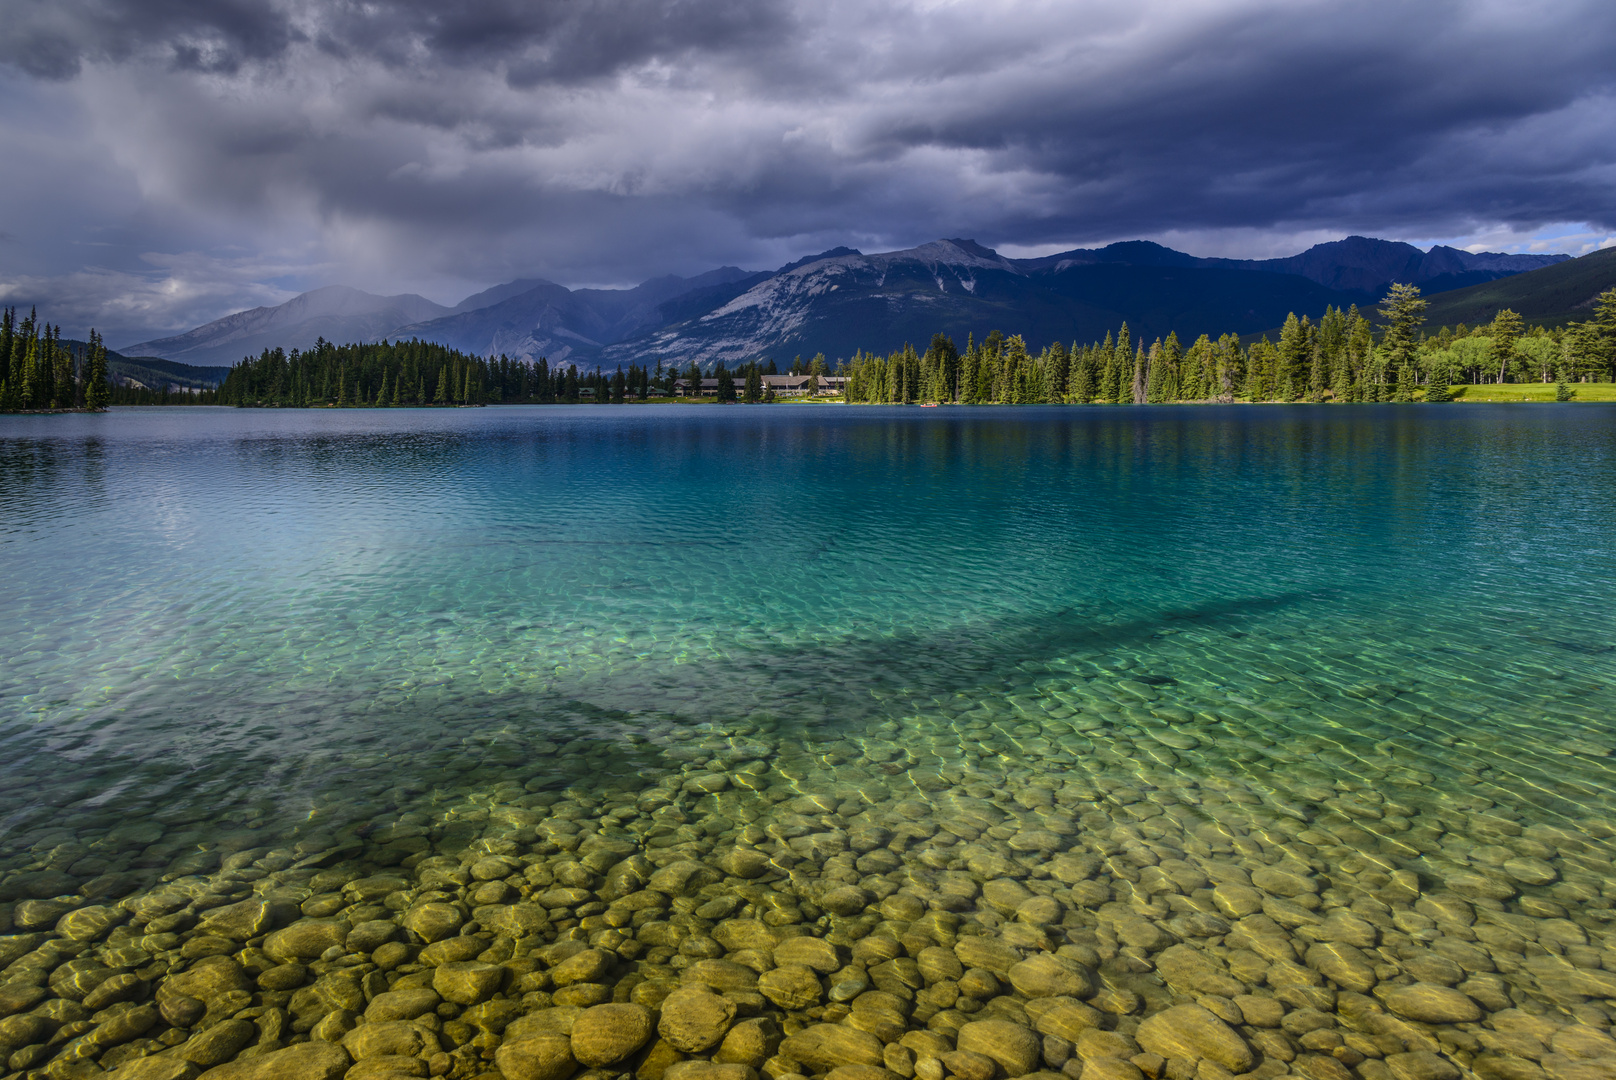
1605 320
381 395
97 390
1403 390
64 391
1082 382
398 386
1404 311
1111 382
1153 375
30 368
442 396
1507 328
1436 390
1562 387
754 385
1291 374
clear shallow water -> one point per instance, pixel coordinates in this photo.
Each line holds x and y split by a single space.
1373 645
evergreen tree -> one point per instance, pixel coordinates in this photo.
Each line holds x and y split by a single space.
1436 389
1404 311
1605 320
1083 382
381 395
1152 390
1114 384
726 384
64 389
1507 328
942 363
1291 374
1403 389
1262 368
754 385
970 360
97 390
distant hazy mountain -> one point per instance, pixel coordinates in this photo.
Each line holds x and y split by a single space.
843 300
1359 264
336 313
529 319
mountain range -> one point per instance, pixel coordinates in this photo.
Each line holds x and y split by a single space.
843 300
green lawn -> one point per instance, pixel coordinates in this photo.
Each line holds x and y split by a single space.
1533 392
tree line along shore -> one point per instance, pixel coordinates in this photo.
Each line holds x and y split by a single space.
40 373
1341 358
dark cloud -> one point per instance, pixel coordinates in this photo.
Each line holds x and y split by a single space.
51 38
416 144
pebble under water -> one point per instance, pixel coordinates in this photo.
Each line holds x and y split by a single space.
700 743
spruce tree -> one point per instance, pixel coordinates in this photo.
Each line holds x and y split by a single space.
1562 386
442 396
1291 373
1122 390
1153 375
1605 320
1403 389
1507 328
1404 311
1082 385
1107 390
381 395
97 391
754 385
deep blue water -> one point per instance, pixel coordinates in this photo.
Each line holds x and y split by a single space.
252 617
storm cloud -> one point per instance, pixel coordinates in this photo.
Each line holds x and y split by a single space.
167 161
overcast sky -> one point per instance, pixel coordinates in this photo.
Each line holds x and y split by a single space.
165 162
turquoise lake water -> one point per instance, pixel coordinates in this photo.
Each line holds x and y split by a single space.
1385 632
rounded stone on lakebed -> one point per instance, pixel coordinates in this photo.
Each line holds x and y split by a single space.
1191 1031
467 982
606 1034
536 1057
433 922
695 1019
1015 1048
1432 1003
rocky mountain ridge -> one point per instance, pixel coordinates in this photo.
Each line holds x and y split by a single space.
843 300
